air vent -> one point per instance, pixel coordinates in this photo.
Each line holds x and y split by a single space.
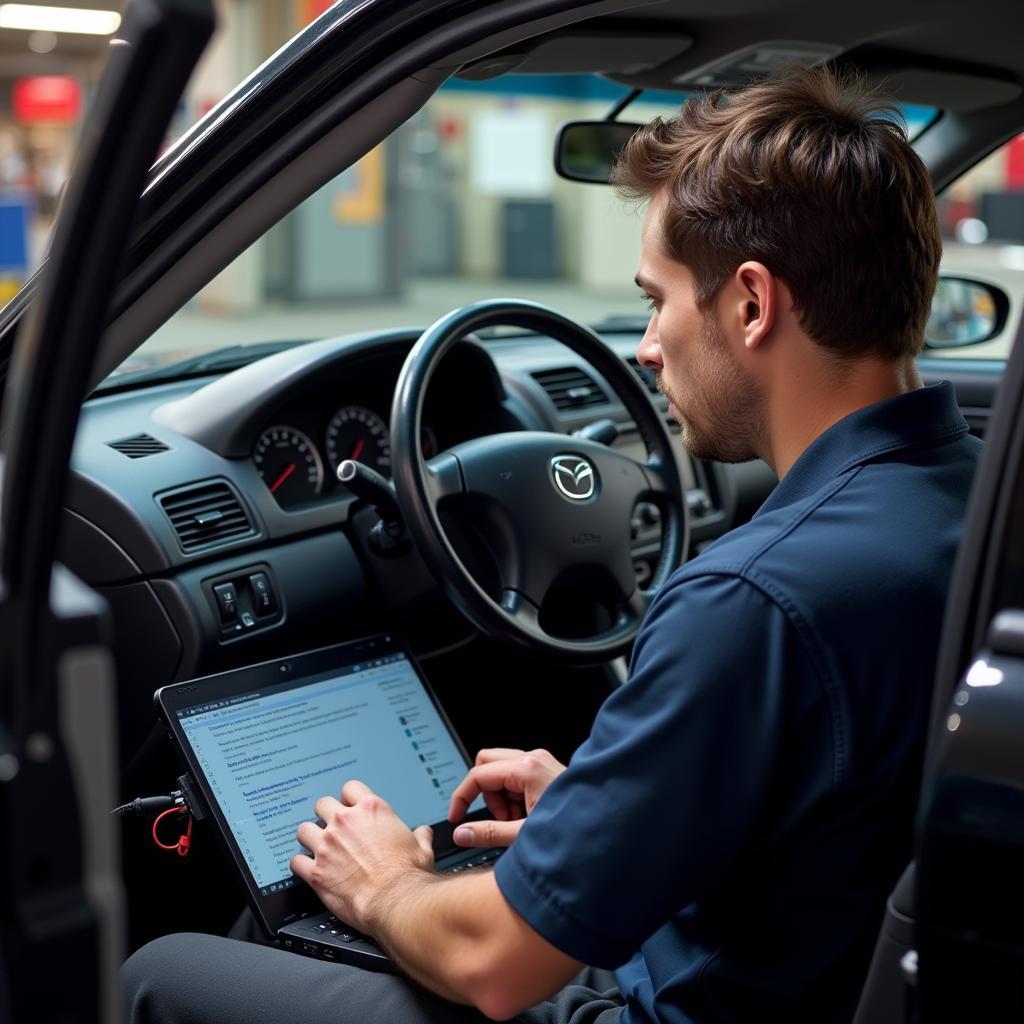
570 388
206 515
647 376
138 446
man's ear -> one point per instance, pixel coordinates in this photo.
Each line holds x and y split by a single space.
758 301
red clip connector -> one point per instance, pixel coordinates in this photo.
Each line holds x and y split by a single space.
184 843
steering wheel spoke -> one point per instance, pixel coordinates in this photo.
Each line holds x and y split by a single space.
634 607
443 478
520 609
523 571
662 482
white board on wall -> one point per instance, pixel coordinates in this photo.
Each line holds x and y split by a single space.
510 154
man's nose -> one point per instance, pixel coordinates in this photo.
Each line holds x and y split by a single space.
648 352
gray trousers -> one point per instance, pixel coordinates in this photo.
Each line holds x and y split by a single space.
191 979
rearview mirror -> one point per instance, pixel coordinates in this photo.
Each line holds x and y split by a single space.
587 150
965 312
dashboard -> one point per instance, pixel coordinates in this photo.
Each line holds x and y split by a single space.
208 512
177 513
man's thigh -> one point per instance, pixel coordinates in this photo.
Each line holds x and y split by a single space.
196 978
592 997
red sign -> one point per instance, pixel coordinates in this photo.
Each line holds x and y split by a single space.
47 99
310 10
1015 163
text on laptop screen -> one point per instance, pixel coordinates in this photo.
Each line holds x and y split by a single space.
271 754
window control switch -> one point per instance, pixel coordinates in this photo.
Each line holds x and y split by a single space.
227 602
263 599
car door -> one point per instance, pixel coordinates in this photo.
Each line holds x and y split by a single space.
949 949
61 902
969 900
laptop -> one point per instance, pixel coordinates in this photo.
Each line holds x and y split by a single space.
263 743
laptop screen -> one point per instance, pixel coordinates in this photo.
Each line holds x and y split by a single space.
269 753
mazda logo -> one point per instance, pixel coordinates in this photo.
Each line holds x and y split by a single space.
573 476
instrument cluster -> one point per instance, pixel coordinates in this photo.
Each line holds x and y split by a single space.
297 470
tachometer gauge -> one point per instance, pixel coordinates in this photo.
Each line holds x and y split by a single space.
361 435
289 464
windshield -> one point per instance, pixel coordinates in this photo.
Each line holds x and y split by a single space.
461 203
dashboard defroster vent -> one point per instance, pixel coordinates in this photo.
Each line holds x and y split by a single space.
570 388
206 515
646 375
138 446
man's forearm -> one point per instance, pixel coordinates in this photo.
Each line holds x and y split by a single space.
436 928
458 936
461 938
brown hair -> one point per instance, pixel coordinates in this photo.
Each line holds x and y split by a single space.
813 176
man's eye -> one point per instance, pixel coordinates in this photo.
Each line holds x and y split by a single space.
650 302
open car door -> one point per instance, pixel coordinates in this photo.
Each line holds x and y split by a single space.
969 891
60 887
951 947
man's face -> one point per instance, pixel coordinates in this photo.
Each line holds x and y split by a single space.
717 402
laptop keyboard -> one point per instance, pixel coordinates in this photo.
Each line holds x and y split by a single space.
482 859
345 933
333 927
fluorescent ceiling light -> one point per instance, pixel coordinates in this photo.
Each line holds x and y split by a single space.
78 20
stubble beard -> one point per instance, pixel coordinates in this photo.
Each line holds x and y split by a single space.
722 419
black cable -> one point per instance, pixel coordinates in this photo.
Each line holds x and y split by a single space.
149 804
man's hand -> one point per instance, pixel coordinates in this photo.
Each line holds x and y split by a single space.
359 855
511 782
457 935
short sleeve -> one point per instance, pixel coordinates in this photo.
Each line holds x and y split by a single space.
671 783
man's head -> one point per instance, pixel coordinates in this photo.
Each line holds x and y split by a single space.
793 209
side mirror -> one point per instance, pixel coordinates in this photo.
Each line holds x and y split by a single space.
965 312
587 150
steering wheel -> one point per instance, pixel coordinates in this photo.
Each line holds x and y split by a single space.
547 503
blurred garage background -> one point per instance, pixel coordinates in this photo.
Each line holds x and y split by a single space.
462 203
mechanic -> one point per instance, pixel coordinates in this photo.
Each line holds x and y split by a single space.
726 837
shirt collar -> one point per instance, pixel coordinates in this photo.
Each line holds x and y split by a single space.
924 416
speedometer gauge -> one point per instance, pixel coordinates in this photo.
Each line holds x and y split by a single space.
289 464
357 433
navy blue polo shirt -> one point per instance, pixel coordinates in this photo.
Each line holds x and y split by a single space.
728 833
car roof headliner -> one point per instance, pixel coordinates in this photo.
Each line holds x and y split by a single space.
972 54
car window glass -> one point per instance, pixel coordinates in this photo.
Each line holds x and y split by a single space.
982 220
50 67
459 204
49 72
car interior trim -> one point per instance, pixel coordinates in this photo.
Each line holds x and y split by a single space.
960 139
224 417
